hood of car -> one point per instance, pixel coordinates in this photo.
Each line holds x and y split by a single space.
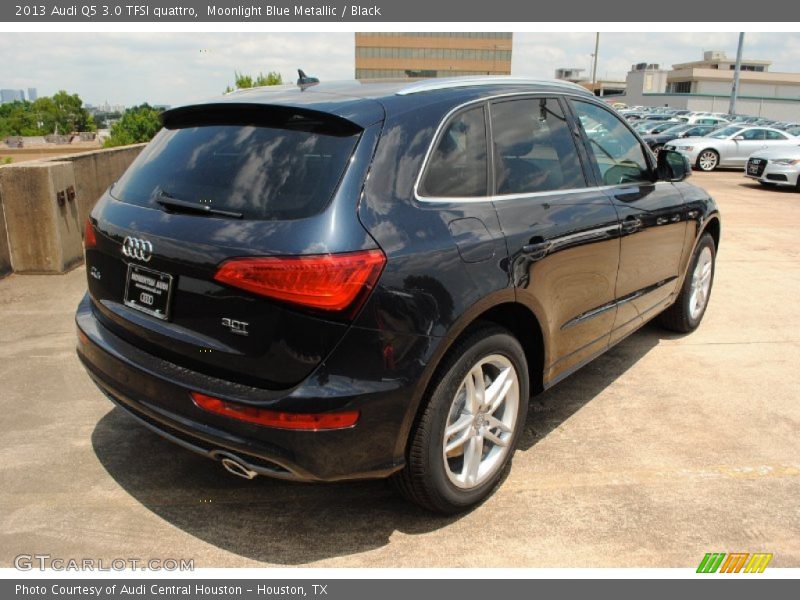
783 152
687 139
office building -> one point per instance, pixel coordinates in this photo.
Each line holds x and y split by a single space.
431 54
705 85
11 96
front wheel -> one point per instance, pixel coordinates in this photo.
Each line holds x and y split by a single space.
465 437
707 160
687 312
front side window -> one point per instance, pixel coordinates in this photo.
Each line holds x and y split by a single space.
533 148
617 152
458 165
754 134
725 133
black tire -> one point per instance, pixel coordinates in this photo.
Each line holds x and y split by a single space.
699 156
424 479
678 317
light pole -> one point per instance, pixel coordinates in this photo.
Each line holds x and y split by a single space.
735 88
594 64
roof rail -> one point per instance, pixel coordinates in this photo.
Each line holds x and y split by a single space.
430 85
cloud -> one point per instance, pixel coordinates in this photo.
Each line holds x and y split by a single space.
175 68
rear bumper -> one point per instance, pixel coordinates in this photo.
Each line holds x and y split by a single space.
156 393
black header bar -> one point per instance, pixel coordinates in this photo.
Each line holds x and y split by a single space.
382 11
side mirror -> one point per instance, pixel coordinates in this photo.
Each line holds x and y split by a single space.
673 166
738 138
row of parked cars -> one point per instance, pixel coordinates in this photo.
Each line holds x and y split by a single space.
769 151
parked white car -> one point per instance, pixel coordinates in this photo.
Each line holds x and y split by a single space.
730 146
778 166
704 120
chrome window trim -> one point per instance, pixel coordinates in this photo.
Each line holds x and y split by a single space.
500 197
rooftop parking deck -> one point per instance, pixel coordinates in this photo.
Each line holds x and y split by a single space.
665 448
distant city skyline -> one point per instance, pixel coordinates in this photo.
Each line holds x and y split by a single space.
174 68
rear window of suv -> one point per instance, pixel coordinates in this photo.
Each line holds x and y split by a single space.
285 167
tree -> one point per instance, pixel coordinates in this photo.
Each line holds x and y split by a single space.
62 113
242 81
138 124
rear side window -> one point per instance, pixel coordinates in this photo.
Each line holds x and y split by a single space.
774 135
281 171
616 150
533 146
458 166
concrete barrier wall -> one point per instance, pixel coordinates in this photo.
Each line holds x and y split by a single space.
45 204
5 255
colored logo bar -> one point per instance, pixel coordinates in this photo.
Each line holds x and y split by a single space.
735 562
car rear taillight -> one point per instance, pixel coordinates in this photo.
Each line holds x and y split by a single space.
274 418
89 237
330 282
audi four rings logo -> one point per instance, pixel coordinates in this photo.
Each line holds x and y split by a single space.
137 248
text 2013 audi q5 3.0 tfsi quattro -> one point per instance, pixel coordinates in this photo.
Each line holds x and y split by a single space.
349 281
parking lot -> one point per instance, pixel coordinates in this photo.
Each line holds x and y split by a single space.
665 448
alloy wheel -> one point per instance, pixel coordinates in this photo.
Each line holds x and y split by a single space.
481 422
708 160
701 283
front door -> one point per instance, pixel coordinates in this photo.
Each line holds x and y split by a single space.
651 214
562 232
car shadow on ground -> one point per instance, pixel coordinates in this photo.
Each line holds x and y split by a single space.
781 189
294 523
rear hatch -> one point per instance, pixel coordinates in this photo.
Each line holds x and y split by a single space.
218 186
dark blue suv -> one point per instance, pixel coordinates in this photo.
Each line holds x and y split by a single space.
348 281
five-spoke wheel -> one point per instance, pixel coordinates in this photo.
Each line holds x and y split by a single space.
481 422
467 431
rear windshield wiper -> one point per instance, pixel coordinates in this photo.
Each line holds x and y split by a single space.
168 201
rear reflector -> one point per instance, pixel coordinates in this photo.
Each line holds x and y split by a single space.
331 282
89 237
274 418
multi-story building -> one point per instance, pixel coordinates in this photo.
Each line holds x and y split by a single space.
32 94
11 96
431 54
706 85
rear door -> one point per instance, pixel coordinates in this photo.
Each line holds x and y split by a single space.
651 213
561 230
217 187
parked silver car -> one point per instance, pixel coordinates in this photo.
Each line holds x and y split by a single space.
778 166
730 146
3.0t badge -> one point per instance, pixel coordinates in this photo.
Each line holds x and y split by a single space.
137 248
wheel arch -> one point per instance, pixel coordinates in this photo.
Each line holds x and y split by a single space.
518 318
713 227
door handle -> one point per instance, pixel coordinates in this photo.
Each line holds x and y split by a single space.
631 224
537 250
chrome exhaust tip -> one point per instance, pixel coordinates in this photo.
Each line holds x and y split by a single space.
236 468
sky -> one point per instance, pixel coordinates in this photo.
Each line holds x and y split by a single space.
176 68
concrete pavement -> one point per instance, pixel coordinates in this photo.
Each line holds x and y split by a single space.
664 449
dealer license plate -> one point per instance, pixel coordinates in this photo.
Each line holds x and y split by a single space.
148 291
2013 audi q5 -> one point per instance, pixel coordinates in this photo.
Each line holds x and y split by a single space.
346 281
